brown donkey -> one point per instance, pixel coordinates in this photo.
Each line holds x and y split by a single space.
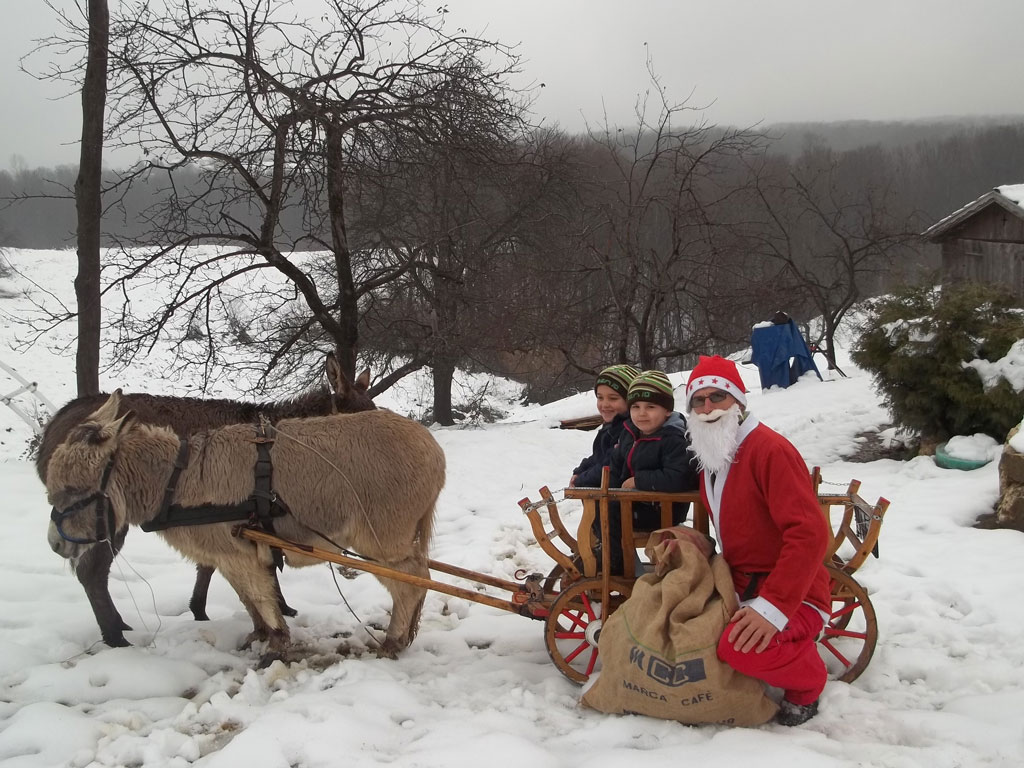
327 472
186 416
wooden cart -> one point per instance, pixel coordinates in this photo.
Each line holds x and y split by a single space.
586 592
578 592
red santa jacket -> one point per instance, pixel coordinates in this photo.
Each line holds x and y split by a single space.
768 521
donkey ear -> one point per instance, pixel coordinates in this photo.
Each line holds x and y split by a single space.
363 380
125 421
339 383
88 432
107 412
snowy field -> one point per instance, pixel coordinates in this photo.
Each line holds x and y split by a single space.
945 687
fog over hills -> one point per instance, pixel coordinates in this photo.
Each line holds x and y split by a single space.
793 138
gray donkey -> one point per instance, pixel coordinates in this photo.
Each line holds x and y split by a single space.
186 416
367 481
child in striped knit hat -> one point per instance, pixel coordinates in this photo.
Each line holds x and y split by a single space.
652 455
611 388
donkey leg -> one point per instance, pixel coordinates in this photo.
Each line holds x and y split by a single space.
286 609
93 572
201 590
407 604
197 603
255 588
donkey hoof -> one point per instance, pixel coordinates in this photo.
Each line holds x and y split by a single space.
348 573
390 649
252 637
287 610
117 642
269 658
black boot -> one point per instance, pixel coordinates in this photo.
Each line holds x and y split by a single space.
795 714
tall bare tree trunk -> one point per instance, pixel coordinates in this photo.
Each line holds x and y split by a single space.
347 337
443 375
87 200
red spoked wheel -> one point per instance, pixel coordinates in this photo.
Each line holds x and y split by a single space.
573 627
851 633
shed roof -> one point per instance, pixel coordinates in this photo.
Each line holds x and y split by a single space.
1009 197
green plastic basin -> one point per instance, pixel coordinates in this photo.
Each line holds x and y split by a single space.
946 461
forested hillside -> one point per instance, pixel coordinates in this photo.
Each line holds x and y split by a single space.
940 166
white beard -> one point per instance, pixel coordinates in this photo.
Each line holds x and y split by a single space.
714 437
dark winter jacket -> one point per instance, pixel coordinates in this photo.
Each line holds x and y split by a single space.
660 462
588 473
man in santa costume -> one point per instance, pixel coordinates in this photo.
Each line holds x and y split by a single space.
757 489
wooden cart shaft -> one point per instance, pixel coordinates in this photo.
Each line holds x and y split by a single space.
534 608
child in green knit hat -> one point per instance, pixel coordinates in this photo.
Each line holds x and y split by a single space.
652 455
611 389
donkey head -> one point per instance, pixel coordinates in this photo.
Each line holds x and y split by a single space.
348 398
78 480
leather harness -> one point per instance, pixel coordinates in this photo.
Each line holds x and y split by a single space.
260 509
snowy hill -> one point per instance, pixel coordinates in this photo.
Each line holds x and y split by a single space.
945 687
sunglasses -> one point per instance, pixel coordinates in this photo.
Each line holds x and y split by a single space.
697 401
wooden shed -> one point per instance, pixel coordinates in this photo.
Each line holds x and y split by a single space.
984 240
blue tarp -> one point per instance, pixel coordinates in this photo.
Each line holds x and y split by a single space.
780 354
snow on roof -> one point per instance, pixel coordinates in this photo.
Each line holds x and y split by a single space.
1014 192
1009 196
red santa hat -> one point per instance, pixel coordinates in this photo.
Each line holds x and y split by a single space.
719 373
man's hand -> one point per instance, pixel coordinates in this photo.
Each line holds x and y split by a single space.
629 482
572 481
750 631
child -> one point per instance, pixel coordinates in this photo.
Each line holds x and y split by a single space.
611 388
652 455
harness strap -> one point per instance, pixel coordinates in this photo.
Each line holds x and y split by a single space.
263 474
180 462
263 495
259 509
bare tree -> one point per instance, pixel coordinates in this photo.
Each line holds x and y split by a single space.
272 114
463 216
833 227
88 200
656 228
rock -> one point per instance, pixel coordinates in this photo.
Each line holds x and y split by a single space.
1010 510
1011 467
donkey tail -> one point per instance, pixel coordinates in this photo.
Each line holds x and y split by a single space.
425 529
425 525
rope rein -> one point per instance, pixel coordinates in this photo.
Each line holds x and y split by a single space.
362 509
351 610
352 488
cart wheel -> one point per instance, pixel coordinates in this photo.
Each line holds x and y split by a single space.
572 629
851 632
555 582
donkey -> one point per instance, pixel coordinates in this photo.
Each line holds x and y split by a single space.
327 473
186 416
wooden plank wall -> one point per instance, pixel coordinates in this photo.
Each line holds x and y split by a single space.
988 247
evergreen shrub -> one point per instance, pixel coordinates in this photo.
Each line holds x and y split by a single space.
917 343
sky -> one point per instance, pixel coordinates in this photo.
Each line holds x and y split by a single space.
744 63
944 689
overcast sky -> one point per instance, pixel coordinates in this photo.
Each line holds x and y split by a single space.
747 61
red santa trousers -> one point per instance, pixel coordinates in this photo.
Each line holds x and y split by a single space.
791 660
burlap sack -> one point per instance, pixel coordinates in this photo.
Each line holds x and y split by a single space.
658 650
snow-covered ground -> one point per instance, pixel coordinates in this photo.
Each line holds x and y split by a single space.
945 687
